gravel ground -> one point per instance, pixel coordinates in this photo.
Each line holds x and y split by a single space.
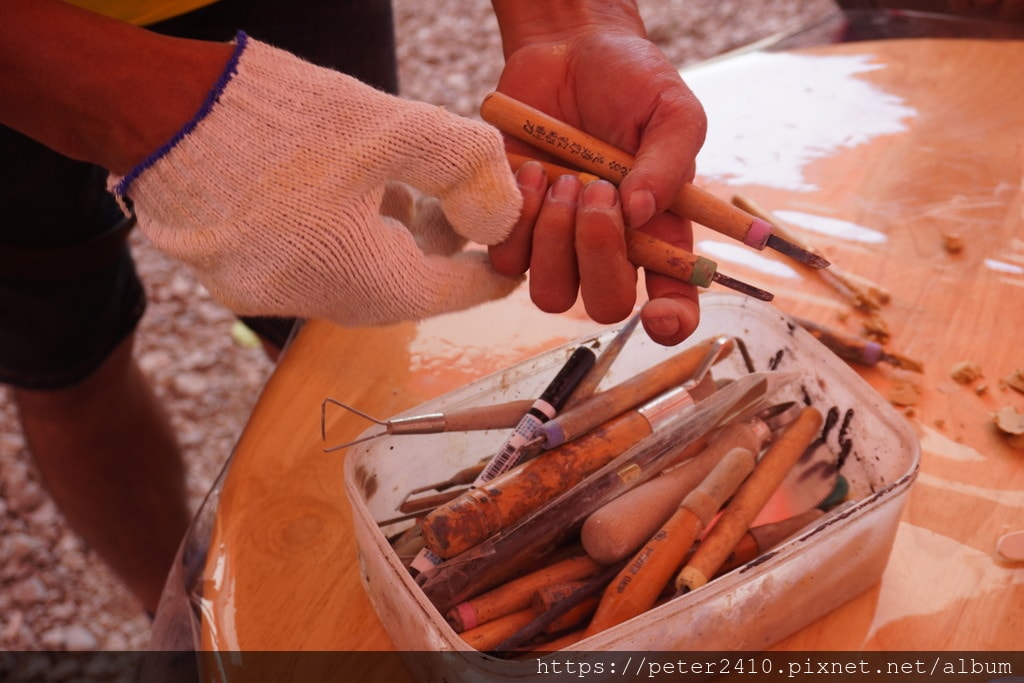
54 593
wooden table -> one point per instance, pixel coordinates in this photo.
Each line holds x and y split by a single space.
913 143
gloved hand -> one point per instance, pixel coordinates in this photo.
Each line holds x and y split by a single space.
273 195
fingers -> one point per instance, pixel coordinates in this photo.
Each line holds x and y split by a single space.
572 240
665 158
512 256
607 278
672 312
554 275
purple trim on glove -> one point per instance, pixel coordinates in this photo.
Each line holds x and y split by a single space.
241 40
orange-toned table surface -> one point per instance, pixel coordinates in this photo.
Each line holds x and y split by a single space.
909 143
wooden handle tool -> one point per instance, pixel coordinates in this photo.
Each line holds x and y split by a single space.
494 505
619 528
601 407
737 517
638 585
611 163
519 593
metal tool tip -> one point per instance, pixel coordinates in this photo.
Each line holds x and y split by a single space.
798 253
743 287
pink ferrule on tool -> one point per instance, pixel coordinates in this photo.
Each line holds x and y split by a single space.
872 353
467 615
758 234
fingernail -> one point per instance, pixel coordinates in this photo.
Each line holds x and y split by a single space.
566 187
663 327
531 176
600 194
640 208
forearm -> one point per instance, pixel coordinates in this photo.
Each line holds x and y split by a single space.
525 21
97 89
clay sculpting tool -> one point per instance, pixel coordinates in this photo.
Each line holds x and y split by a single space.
503 556
486 637
856 350
607 161
478 418
551 400
690 364
548 597
741 511
499 503
588 591
862 293
543 409
662 257
518 594
619 528
588 385
762 538
637 586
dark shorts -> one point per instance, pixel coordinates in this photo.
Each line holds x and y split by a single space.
69 293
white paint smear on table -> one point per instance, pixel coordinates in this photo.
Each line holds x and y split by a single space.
833 227
772 114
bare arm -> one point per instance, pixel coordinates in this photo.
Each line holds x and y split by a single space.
97 89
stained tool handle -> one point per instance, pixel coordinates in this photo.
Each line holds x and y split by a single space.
584 151
749 499
487 636
519 593
621 527
638 585
480 512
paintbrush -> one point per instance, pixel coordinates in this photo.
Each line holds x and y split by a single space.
607 161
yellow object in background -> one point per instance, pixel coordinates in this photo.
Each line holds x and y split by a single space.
141 12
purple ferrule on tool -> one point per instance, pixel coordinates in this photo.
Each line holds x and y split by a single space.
758 234
553 434
872 353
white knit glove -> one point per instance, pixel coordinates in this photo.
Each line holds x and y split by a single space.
274 197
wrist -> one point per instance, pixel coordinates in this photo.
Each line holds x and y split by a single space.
216 65
527 22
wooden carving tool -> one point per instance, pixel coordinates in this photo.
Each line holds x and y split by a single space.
691 363
855 350
607 161
637 586
499 558
518 593
492 506
862 293
738 516
619 529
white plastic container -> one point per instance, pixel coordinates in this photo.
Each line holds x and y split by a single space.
752 607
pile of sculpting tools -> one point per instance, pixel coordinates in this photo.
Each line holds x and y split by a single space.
598 159
602 503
